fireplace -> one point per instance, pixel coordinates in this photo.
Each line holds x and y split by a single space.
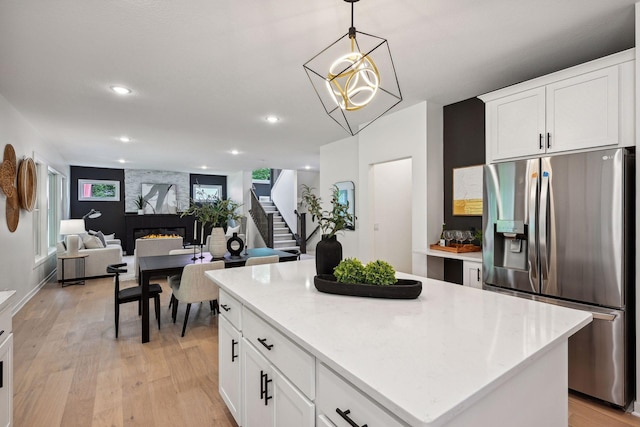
137 226
157 232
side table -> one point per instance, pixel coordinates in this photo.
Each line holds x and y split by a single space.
65 257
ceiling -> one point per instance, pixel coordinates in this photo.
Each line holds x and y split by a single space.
205 74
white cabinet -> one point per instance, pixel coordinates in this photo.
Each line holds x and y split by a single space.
269 398
584 107
6 368
472 274
342 405
265 379
229 348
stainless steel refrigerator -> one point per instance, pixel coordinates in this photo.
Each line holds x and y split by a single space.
561 230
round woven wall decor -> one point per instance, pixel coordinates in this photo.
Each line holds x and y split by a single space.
13 212
10 154
27 184
7 178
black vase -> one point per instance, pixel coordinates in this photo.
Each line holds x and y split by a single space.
328 254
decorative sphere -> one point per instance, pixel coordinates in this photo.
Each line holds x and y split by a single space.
353 80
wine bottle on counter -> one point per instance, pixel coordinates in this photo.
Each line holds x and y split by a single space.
442 240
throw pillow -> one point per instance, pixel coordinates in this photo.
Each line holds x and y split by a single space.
92 242
111 236
100 236
231 230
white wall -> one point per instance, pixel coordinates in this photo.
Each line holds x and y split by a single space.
412 133
400 135
339 162
284 195
17 260
391 185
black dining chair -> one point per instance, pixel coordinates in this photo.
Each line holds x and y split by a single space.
131 294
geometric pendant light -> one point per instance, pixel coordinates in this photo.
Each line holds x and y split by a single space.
355 79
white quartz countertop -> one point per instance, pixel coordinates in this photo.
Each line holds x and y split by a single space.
464 256
425 360
5 296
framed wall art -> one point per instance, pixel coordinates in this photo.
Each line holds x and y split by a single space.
98 190
467 191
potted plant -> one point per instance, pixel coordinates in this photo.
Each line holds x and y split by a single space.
329 249
216 213
140 203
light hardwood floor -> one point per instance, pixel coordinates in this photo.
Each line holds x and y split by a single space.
71 371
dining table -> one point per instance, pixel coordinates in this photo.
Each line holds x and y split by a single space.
166 265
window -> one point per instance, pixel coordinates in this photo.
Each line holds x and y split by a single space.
49 209
98 190
261 176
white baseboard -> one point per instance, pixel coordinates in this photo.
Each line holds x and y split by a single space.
636 409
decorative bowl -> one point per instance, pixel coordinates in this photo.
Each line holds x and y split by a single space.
402 289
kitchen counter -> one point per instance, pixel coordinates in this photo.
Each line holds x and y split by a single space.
428 360
464 256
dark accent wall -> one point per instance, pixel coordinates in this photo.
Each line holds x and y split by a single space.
113 214
208 180
112 219
464 145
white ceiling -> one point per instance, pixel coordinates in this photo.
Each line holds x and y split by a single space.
205 74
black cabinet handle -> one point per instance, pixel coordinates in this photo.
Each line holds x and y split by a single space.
233 347
345 416
1 373
1 332
263 341
225 307
478 274
264 388
541 146
548 139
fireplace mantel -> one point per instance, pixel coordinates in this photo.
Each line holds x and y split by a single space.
134 221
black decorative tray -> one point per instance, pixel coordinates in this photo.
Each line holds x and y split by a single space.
402 289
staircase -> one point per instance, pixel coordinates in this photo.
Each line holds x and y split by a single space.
282 237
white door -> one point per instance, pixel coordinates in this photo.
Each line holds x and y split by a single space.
292 408
257 388
392 199
582 112
516 125
230 379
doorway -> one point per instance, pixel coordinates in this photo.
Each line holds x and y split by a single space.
392 213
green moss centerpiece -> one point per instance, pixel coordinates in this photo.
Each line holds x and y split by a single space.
376 280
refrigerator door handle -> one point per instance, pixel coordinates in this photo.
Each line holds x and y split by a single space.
531 238
542 216
603 316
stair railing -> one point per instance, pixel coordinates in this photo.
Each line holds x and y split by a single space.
301 235
262 219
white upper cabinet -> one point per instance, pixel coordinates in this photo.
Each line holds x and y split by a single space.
584 107
516 124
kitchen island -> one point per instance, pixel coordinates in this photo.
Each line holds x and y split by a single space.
455 356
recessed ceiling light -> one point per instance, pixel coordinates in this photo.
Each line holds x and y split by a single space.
203 167
272 119
235 152
307 167
125 139
121 90
122 161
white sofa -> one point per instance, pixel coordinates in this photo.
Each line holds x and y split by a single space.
95 264
152 247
